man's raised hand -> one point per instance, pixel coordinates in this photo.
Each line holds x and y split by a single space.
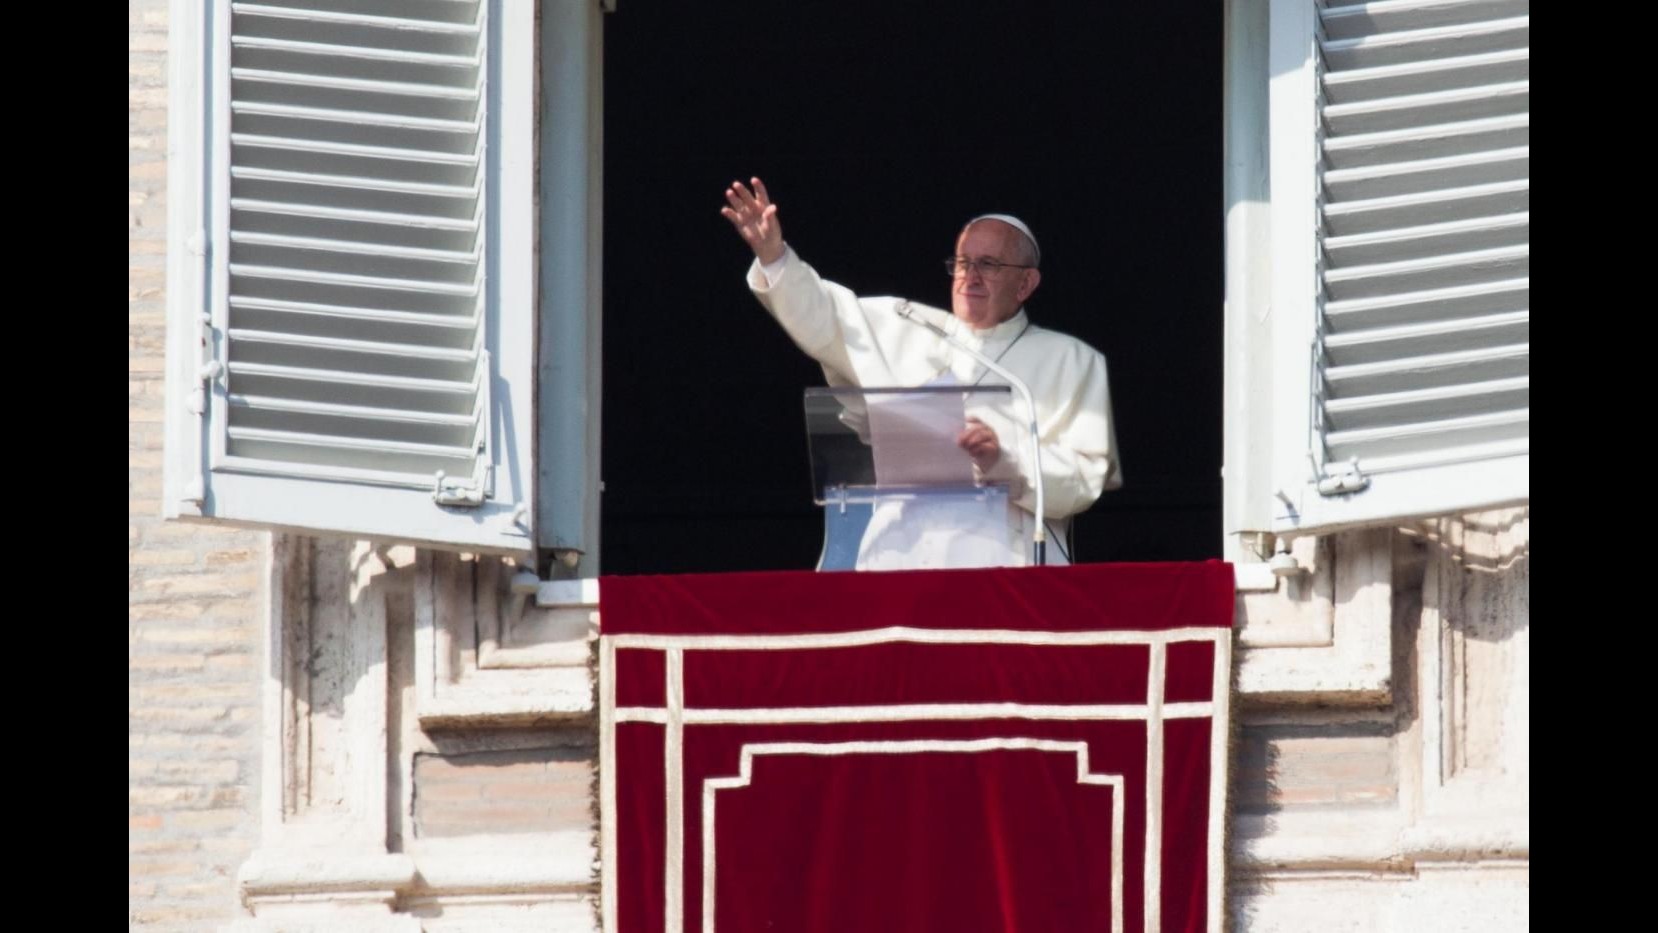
755 218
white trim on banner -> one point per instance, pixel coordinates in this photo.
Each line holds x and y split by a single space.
745 776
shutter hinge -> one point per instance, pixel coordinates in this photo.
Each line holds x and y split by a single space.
1348 481
461 491
205 375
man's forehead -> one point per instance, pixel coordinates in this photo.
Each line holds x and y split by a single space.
992 234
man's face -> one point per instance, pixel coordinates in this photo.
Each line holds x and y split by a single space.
983 301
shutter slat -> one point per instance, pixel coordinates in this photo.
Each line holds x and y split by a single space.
396 108
319 79
297 355
271 403
320 450
352 423
333 291
446 11
1428 142
319 277
305 190
1434 305
1429 405
442 354
355 117
378 447
1425 175
265 373
1426 437
1462 235
464 194
1453 449
373 317
1351 20
301 160
312 13
1410 340
1431 108
1437 271
302 319
343 223
1427 330
1361 84
1350 410
1372 215
328 212
332 127
347 246
326 147
311 50
1391 48
1437 369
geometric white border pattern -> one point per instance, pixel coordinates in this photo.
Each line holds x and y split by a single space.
675 716
711 786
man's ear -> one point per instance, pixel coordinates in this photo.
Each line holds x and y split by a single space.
1033 278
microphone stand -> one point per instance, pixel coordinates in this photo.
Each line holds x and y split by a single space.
1039 540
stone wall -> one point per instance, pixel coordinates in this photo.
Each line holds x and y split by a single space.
192 626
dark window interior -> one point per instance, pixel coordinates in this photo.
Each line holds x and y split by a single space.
879 128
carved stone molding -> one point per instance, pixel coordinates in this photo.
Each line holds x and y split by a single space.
488 656
1475 650
1461 710
1325 635
323 860
341 732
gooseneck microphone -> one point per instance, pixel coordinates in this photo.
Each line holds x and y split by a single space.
1039 539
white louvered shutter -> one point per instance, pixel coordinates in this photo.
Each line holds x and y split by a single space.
1420 357
365 327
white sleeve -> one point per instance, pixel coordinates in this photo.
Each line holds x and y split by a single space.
774 270
806 306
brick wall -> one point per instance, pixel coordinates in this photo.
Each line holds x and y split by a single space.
517 791
192 633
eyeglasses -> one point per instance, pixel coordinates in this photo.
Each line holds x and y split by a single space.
989 268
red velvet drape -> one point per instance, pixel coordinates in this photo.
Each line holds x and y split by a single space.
920 751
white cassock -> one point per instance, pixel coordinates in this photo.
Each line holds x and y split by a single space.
863 342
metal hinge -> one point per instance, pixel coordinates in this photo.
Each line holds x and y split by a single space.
461 491
1348 481
209 371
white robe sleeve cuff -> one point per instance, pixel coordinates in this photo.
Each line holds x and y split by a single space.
774 270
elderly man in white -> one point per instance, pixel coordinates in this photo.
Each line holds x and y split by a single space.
866 342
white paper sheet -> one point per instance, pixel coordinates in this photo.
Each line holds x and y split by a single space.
914 438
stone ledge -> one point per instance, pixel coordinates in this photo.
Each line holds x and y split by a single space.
322 871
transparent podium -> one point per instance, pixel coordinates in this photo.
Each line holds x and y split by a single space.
896 490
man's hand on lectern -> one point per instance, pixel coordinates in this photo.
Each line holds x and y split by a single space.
755 218
980 443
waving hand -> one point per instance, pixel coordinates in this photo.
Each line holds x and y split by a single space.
755 218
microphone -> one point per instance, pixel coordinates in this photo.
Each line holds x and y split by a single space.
1039 539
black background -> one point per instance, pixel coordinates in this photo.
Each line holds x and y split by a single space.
880 127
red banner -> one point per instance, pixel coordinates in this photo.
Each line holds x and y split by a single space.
963 750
